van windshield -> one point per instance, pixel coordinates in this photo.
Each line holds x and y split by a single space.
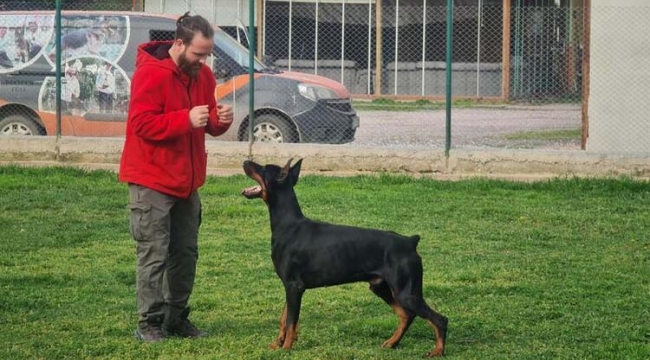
235 50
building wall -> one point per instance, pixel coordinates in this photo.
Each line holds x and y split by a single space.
619 100
220 12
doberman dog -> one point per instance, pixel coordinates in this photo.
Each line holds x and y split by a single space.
309 254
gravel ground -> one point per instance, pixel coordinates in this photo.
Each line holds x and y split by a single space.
471 128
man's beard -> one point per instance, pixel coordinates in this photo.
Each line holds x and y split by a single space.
190 68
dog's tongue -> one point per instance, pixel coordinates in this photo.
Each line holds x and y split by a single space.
252 192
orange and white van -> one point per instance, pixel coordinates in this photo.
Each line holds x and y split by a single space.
98 56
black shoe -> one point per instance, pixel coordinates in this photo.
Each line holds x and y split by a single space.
150 333
186 330
179 325
151 329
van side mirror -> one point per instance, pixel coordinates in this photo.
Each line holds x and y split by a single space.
221 73
268 60
220 69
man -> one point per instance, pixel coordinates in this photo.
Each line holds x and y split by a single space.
105 84
164 162
36 37
71 90
6 43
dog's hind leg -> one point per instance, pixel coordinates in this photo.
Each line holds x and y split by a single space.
381 289
415 302
408 293
282 333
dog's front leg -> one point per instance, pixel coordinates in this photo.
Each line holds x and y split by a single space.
282 333
294 294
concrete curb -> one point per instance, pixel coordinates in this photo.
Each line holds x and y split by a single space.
226 158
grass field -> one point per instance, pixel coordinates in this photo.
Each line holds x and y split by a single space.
418 105
546 135
557 269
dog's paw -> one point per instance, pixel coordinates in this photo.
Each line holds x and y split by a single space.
435 353
277 343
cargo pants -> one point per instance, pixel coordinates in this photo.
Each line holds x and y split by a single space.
165 229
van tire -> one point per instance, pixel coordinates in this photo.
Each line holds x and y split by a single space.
274 129
19 125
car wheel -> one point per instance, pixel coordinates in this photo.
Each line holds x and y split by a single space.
274 129
19 125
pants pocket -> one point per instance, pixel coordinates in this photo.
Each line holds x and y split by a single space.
141 222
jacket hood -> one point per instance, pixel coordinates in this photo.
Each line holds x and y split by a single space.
155 53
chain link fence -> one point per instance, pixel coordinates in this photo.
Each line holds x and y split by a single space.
405 56
399 51
318 56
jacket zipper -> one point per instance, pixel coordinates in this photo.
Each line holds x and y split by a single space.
189 96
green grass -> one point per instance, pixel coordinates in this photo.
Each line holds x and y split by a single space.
574 134
383 104
557 269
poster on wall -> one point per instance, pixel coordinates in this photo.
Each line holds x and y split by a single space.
23 39
92 35
92 82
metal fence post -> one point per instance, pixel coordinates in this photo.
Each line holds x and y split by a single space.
57 27
450 57
251 75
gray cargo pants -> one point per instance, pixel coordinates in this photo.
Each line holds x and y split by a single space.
165 229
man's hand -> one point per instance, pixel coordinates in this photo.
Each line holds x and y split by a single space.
199 116
225 113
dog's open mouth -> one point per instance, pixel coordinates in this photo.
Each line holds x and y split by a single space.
252 192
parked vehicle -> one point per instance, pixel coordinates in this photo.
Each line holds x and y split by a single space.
98 56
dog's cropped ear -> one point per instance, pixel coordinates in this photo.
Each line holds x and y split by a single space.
284 171
295 171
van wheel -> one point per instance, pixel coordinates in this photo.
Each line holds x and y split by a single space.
19 125
274 129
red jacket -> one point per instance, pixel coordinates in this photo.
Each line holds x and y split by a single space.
161 150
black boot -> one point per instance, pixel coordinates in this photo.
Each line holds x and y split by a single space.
177 324
151 330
